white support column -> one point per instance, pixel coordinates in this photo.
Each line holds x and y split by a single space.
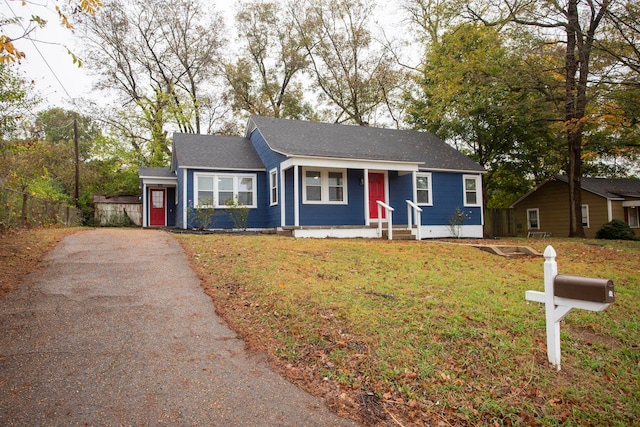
185 200
296 196
283 218
414 185
553 326
145 206
367 213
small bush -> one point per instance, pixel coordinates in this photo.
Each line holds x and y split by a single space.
238 213
615 230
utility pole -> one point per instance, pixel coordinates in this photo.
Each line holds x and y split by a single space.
76 196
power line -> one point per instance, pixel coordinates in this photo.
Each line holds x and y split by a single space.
40 53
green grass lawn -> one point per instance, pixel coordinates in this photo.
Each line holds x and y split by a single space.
431 332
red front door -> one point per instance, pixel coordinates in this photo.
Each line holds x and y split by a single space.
376 192
157 211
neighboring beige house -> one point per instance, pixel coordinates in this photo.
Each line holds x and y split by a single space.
545 209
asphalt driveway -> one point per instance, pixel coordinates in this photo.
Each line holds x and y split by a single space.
114 329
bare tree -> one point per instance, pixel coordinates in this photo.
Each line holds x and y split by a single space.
433 17
262 80
158 58
354 73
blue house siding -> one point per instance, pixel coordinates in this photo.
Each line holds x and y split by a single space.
269 157
329 214
171 207
180 204
400 190
221 219
448 194
289 203
271 160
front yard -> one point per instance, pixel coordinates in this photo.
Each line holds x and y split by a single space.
431 333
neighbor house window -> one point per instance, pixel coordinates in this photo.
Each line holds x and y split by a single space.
423 188
585 216
216 190
533 219
325 186
632 216
273 186
472 190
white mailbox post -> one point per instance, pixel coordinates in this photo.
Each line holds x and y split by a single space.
564 293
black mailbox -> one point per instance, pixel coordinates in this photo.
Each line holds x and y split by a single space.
584 288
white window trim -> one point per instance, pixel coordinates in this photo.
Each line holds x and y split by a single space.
273 178
215 177
537 211
429 189
324 186
588 216
478 180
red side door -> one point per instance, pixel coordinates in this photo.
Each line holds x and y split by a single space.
376 192
157 208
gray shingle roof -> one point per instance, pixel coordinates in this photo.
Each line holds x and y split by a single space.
304 138
155 173
611 188
215 152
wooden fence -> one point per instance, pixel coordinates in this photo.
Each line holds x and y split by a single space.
18 209
500 223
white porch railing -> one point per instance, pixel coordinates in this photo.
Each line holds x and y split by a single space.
417 216
389 215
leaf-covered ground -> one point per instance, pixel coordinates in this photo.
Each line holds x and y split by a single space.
428 333
431 333
21 250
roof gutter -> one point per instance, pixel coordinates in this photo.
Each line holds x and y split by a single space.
337 162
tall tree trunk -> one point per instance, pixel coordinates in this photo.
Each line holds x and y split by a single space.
573 118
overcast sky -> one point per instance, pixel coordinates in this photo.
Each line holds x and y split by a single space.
59 81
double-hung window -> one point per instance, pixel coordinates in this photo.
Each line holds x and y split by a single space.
472 190
204 193
273 187
423 189
336 186
216 190
324 186
533 219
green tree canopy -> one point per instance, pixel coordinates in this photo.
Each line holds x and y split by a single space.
473 93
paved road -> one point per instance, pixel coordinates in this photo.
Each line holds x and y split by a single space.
115 330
